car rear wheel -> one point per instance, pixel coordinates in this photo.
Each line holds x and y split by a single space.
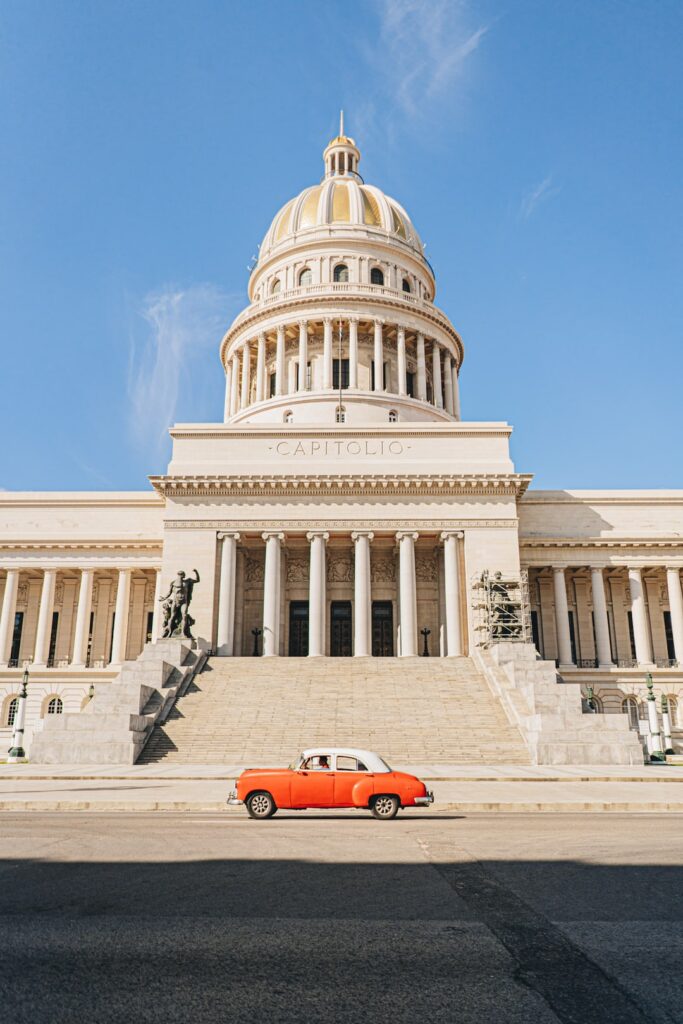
260 805
385 807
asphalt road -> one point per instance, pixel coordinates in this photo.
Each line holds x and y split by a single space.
319 919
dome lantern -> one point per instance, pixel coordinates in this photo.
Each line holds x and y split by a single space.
341 155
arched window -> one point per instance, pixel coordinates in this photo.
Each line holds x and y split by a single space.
341 273
376 276
673 710
306 277
275 286
55 706
288 416
12 709
393 416
340 414
629 706
406 285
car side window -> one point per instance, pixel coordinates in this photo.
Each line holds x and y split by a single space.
346 763
361 767
317 763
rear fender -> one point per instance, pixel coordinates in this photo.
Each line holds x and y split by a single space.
362 792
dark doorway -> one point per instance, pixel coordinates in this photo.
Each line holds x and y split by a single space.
382 629
341 630
298 629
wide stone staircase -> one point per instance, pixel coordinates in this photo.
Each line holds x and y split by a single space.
262 711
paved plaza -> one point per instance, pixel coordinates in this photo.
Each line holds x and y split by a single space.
312 916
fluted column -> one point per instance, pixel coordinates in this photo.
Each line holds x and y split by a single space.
436 375
603 648
156 610
235 384
362 595
564 641
456 391
261 368
448 383
280 382
47 597
452 592
228 392
246 370
353 352
641 628
83 611
401 346
673 584
421 369
118 645
225 634
271 594
327 353
9 608
379 357
303 354
316 597
408 594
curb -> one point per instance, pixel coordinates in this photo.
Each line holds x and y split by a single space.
473 807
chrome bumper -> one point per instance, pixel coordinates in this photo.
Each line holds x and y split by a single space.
233 799
424 801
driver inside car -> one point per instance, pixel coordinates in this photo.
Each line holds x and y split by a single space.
319 763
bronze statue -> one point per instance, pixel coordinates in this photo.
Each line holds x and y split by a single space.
177 619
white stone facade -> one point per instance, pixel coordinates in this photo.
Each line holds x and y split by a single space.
342 507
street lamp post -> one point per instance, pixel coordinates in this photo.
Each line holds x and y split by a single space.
656 751
425 650
256 633
666 725
17 754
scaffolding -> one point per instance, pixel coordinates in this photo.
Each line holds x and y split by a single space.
500 602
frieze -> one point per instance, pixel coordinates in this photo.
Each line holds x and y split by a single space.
425 568
382 570
343 526
253 569
297 570
339 569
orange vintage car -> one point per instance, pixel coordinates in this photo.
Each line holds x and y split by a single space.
330 777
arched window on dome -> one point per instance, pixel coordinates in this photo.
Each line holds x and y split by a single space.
11 713
340 414
376 276
629 706
55 706
288 416
275 286
406 285
673 711
393 416
341 273
305 277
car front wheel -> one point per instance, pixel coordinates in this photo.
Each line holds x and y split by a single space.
385 807
260 805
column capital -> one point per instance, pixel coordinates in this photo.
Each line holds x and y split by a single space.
312 534
404 534
327 320
358 534
262 336
400 330
673 568
228 534
303 324
280 329
272 535
458 534
378 321
559 568
245 344
352 319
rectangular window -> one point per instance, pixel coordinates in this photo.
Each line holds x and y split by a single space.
16 637
572 636
535 632
271 385
631 635
53 639
111 635
384 375
148 631
410 384
90 628
612 634
669 634
309 377
344 374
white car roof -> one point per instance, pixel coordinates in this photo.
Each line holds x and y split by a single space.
373 762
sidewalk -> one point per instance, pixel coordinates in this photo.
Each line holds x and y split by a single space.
457 788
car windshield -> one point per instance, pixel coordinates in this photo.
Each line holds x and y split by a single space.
388 768
296 762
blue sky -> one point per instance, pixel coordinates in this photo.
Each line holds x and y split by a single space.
146 145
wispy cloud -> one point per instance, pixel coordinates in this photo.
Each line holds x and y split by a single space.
423 48
174 358
539 194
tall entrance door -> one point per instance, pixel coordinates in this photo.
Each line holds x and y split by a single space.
341 630
298 629
382 629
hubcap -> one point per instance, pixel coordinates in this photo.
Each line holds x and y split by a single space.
384 805
260 805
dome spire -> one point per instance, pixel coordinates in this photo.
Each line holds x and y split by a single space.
341 155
